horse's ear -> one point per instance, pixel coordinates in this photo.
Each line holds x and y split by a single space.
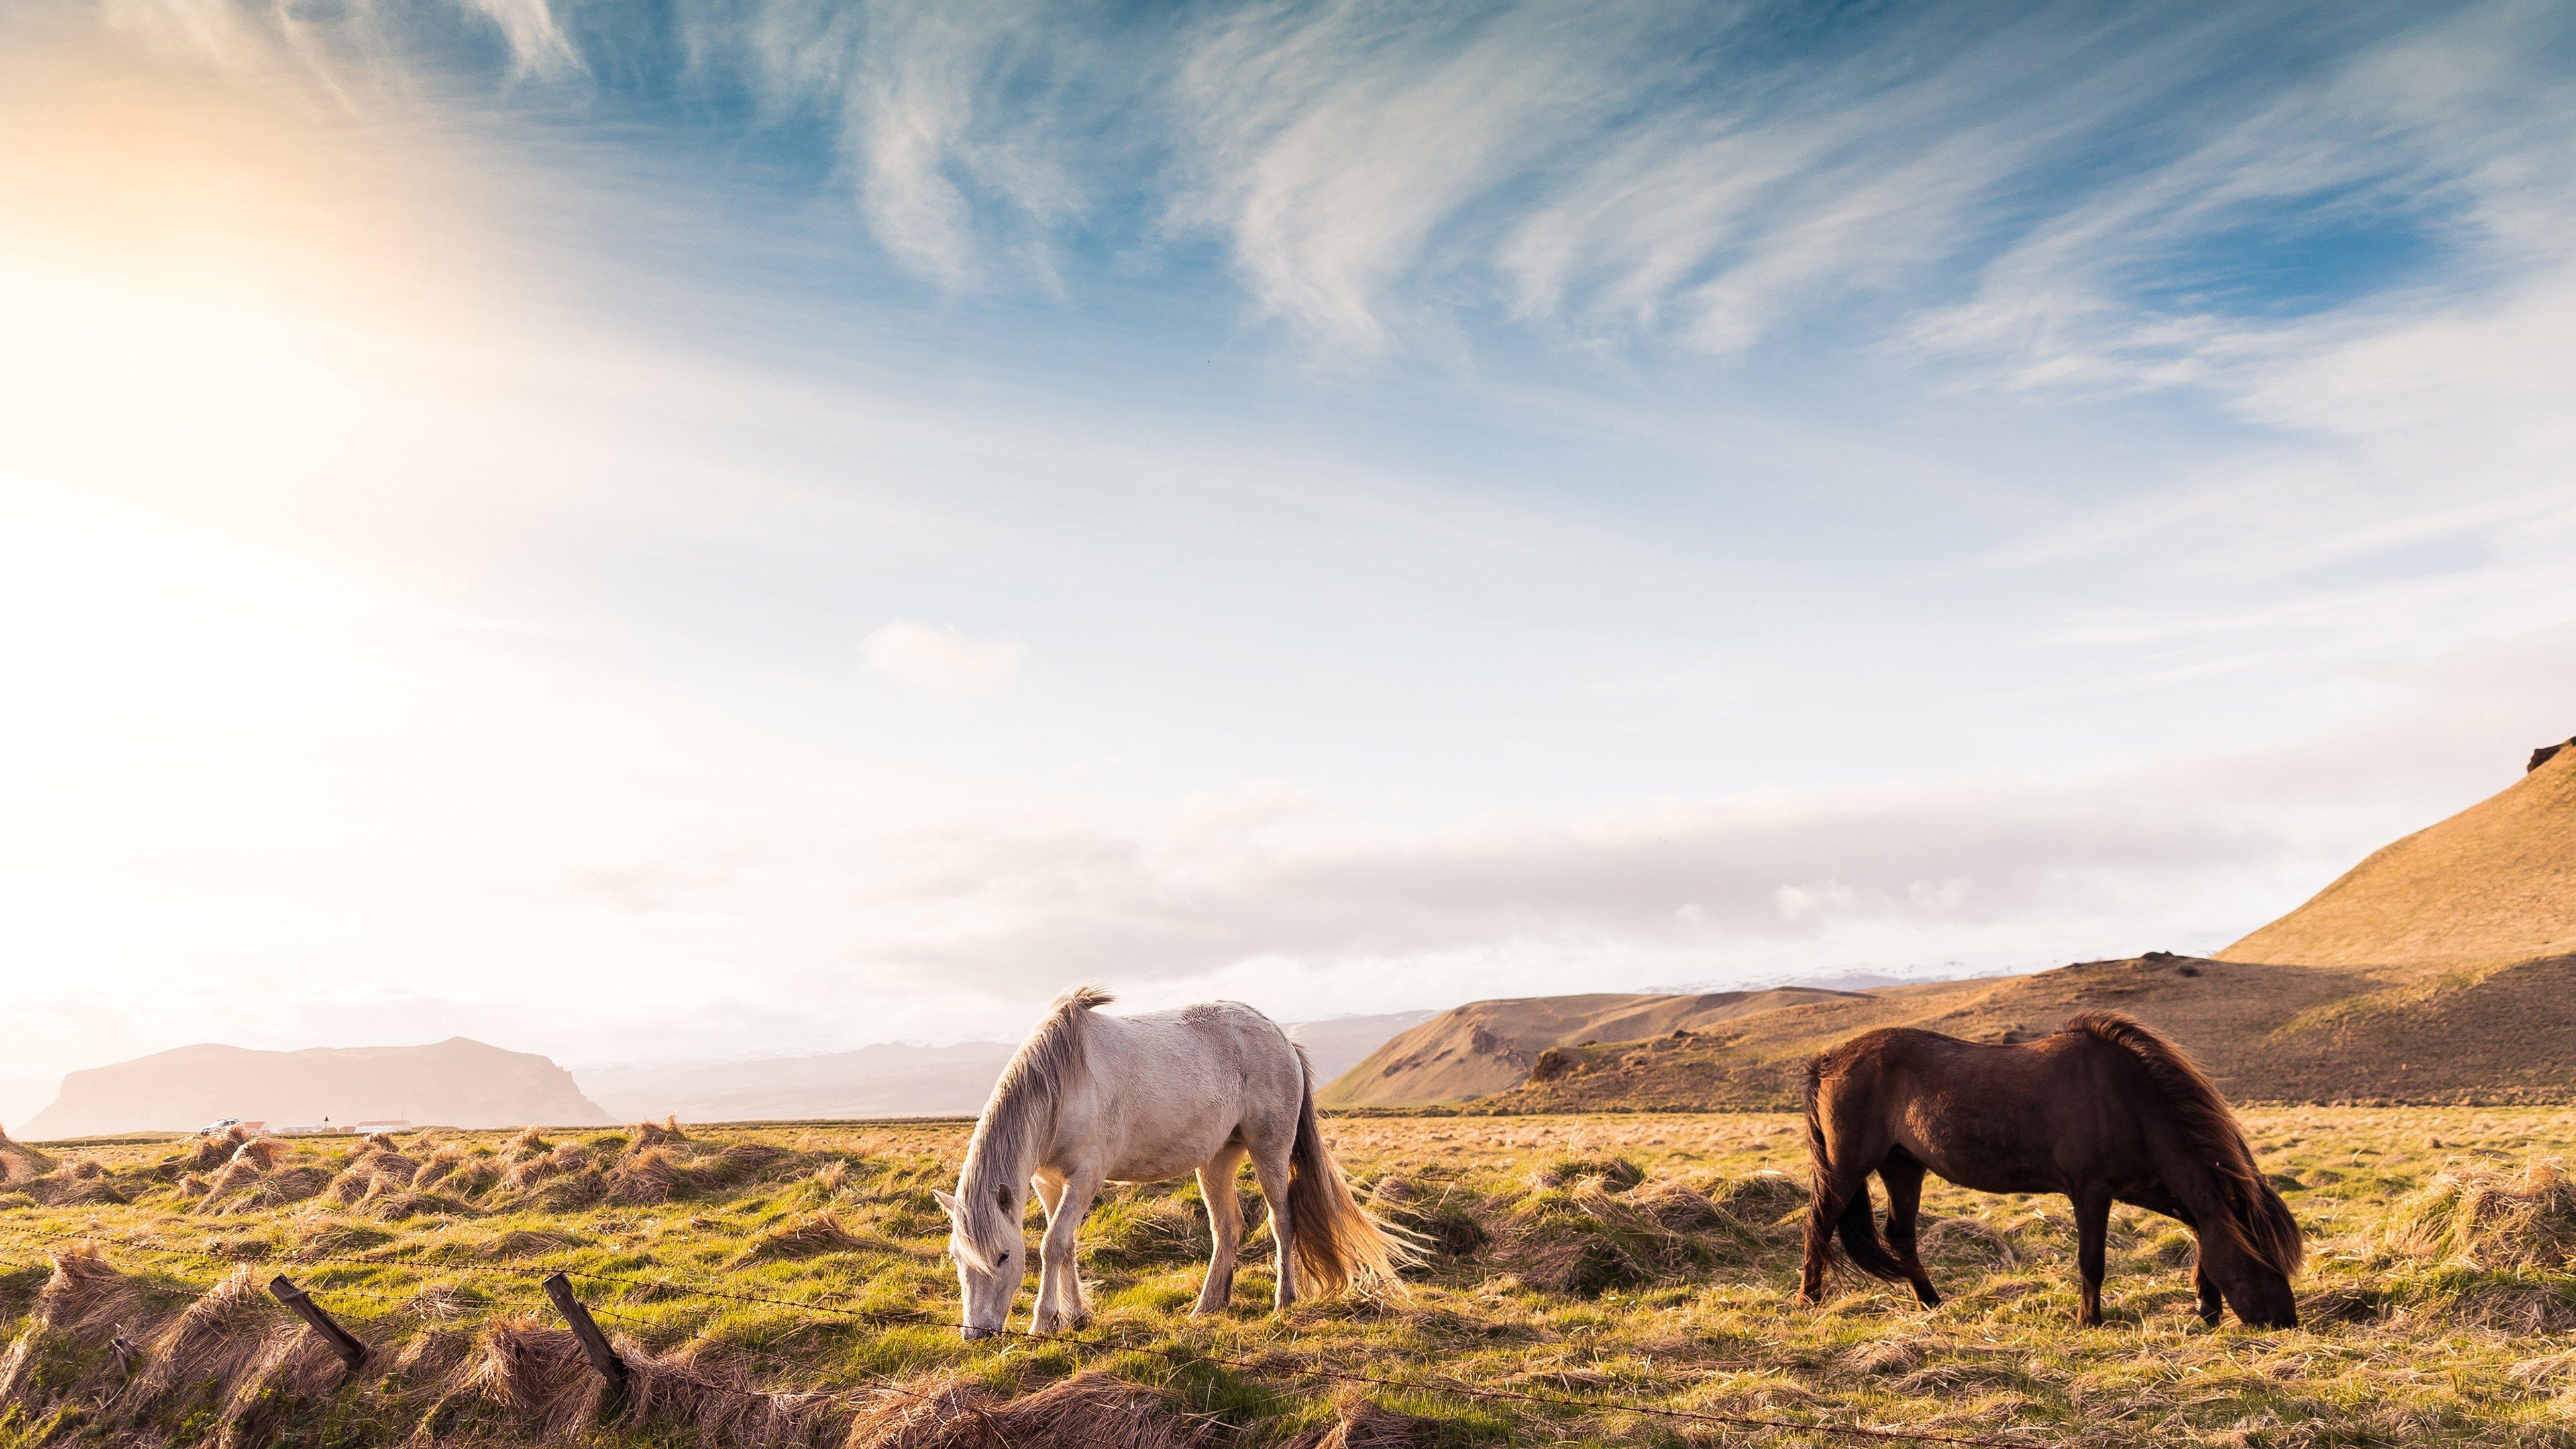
947 1203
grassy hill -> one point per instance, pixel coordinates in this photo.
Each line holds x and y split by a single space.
2441 969
2267 1032
2496 882
1486 1046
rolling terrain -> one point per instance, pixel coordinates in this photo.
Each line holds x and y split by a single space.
785 1287
1486 1046
2441 969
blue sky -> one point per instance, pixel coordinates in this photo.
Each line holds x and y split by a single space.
646 531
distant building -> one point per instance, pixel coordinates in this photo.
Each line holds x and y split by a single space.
382 1124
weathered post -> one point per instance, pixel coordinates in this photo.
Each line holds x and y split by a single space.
594 1344
342 1341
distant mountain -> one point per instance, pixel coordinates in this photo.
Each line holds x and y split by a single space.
1486 1046
455 1083
1338 1043
891 1080
2496 882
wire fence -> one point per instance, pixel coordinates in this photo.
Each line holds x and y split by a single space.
1257 1370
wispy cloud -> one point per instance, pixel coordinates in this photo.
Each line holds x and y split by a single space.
941 659
1692 889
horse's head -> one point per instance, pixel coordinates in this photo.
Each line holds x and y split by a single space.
992 1257
2259 1293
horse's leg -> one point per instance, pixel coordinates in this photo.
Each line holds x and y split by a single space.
1056 1261
1270 1171
1050 1192
2204 1288
1225 1225
2092 1230
1903 1176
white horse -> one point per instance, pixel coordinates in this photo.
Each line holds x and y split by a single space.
1090 1099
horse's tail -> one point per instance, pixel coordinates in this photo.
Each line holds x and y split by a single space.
1338 1242
2257 1218
1859 1231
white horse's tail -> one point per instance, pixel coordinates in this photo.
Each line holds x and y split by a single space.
1338 1242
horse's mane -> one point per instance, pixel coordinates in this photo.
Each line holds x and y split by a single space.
1023 1103
2256 1216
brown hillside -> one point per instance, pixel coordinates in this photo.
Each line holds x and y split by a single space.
1486 1046
2494 883
2268 1033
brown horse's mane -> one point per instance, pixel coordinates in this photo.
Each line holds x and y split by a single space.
2257 1217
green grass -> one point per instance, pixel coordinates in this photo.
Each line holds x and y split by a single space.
1616 1259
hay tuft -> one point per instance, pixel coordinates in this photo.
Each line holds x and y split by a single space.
1587 1239
1616 1174
214 1340
809 1236
531 1369
2474 1214
1360 1423
1090 1410
640 1179
645 1135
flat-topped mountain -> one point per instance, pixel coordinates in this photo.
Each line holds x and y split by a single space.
454 1083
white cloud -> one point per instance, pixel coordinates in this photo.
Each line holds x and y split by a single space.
942 659
1690 890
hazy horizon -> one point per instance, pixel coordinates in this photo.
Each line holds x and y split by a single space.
765 529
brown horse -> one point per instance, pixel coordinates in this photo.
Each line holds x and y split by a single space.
2104 1111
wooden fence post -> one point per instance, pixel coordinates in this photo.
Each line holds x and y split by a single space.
342 1341
594 1344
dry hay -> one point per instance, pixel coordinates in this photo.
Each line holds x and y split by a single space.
833 1176
1090 1410
248 1184
81 1182
1966 1240
1359 1423
528 1142
291 1371
1444 1222
735 1161
809 1236
261 1153
1586 1239
379 1142
639 1179
654 1134
438 1164
205 1151
21 1163
526 1172
1759 1199
1617 1174
215 1339
2474 1214
86 1296
529 1243
85 1300
377 1170
531 1369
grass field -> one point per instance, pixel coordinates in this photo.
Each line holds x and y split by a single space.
1616 1259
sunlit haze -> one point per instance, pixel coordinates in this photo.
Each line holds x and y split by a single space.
640 533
